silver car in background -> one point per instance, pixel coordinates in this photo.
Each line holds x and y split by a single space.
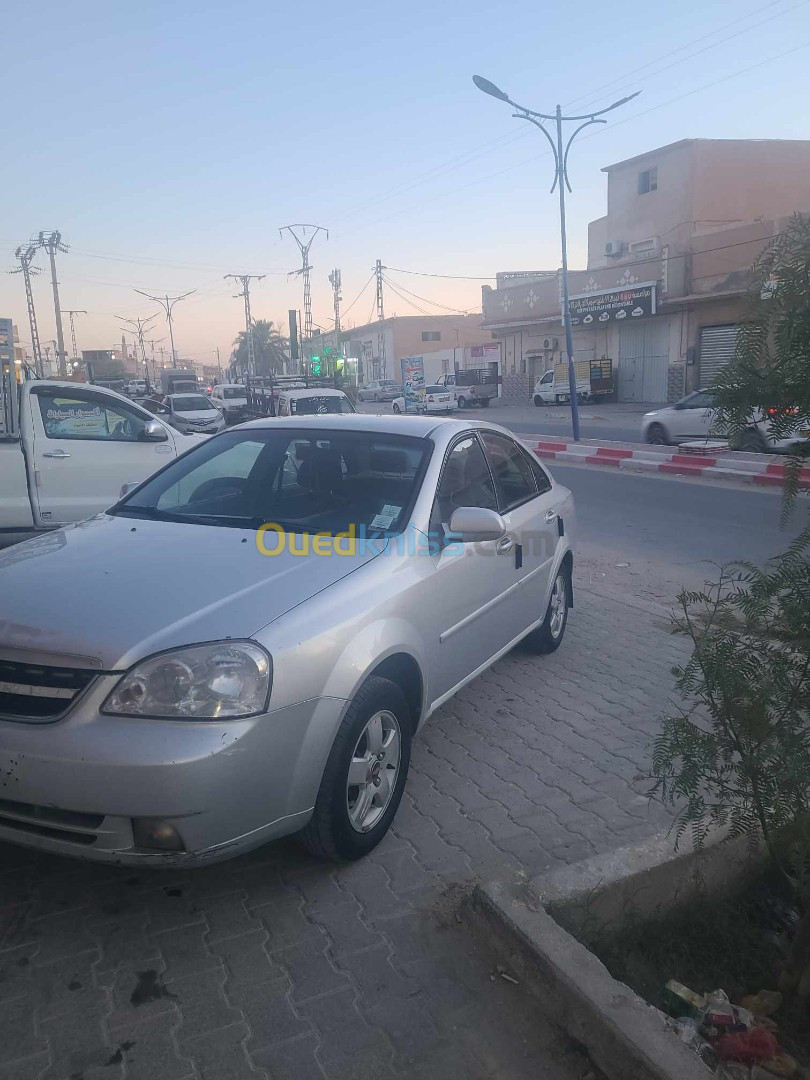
189 412
317 587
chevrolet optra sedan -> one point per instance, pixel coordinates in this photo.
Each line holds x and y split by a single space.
316 587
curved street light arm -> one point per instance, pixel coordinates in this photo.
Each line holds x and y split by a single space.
568 147
601 112
537 124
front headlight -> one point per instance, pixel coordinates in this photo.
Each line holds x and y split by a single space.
220 681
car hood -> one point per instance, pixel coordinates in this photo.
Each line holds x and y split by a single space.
116 589
199 414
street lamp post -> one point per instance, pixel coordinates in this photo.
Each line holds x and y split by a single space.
560 148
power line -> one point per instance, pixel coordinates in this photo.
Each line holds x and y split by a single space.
402 296
452 277
696 41
539 157
351 305
425 300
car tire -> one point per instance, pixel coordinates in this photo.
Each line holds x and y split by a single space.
538 401
342 826
376 399
484 402
752 442
461 402
657 435
397 408
549 635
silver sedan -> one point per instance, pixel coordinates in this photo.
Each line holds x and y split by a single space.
244 646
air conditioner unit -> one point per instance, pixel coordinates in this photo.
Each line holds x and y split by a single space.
613 248
549 343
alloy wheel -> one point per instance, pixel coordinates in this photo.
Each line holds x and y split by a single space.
373 771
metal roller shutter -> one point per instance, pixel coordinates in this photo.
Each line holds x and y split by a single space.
717 347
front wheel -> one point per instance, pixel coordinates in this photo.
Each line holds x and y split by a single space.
397 408
365 774
539 402
462 402
548 636
376 399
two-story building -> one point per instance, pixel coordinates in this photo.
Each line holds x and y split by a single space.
669 266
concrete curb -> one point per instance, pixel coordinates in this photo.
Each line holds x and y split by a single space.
626 1038
758 469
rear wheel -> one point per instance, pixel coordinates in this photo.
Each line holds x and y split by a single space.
752 442
657 435
365 774
376 398
548 636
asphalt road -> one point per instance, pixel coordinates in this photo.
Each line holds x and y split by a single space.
655 534
556 423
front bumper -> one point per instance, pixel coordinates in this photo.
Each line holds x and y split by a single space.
73 786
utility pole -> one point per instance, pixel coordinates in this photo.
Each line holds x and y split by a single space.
71 312
26 258
52 242
47 351
304 245
560 148
334 281
139 327
219 365
378 271
245 295
167 303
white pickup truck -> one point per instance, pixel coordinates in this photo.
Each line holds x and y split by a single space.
66 450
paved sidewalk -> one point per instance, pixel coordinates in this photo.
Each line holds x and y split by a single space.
277 966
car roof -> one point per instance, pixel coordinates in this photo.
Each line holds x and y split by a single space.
420 427
314 391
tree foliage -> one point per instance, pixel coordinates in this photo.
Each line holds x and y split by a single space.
738 751
270 347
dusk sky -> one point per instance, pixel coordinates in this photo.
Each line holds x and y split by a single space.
168 142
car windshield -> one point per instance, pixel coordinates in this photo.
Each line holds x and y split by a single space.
435 389
389 384
191 403
316 405
303 480
233 391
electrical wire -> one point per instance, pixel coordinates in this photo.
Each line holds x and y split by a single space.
622 79
598 131
425 300
484 148
403 297
453 277
351 305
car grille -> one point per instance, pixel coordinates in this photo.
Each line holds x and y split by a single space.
37 694
69 825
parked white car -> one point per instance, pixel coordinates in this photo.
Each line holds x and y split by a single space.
438 399
548 392
692 418
231 400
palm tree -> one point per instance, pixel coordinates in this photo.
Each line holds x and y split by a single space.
270 348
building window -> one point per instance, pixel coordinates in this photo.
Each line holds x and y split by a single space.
431 335
647 181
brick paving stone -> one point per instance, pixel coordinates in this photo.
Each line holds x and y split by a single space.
202 1004
345 929
148 1049
286 923
20 1038
310 969
292 1060
80 1048
226 916
246 959
221 1055
185 952
270 1013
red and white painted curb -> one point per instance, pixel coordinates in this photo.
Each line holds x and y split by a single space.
740 467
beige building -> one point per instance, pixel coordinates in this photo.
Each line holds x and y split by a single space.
668 268
379 346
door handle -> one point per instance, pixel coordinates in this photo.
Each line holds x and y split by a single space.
56 454
551 517
504 545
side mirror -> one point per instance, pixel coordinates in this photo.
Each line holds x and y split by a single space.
470 524
126 488
154 432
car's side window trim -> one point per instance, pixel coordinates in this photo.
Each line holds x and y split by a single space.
521 502
124 407
462 437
